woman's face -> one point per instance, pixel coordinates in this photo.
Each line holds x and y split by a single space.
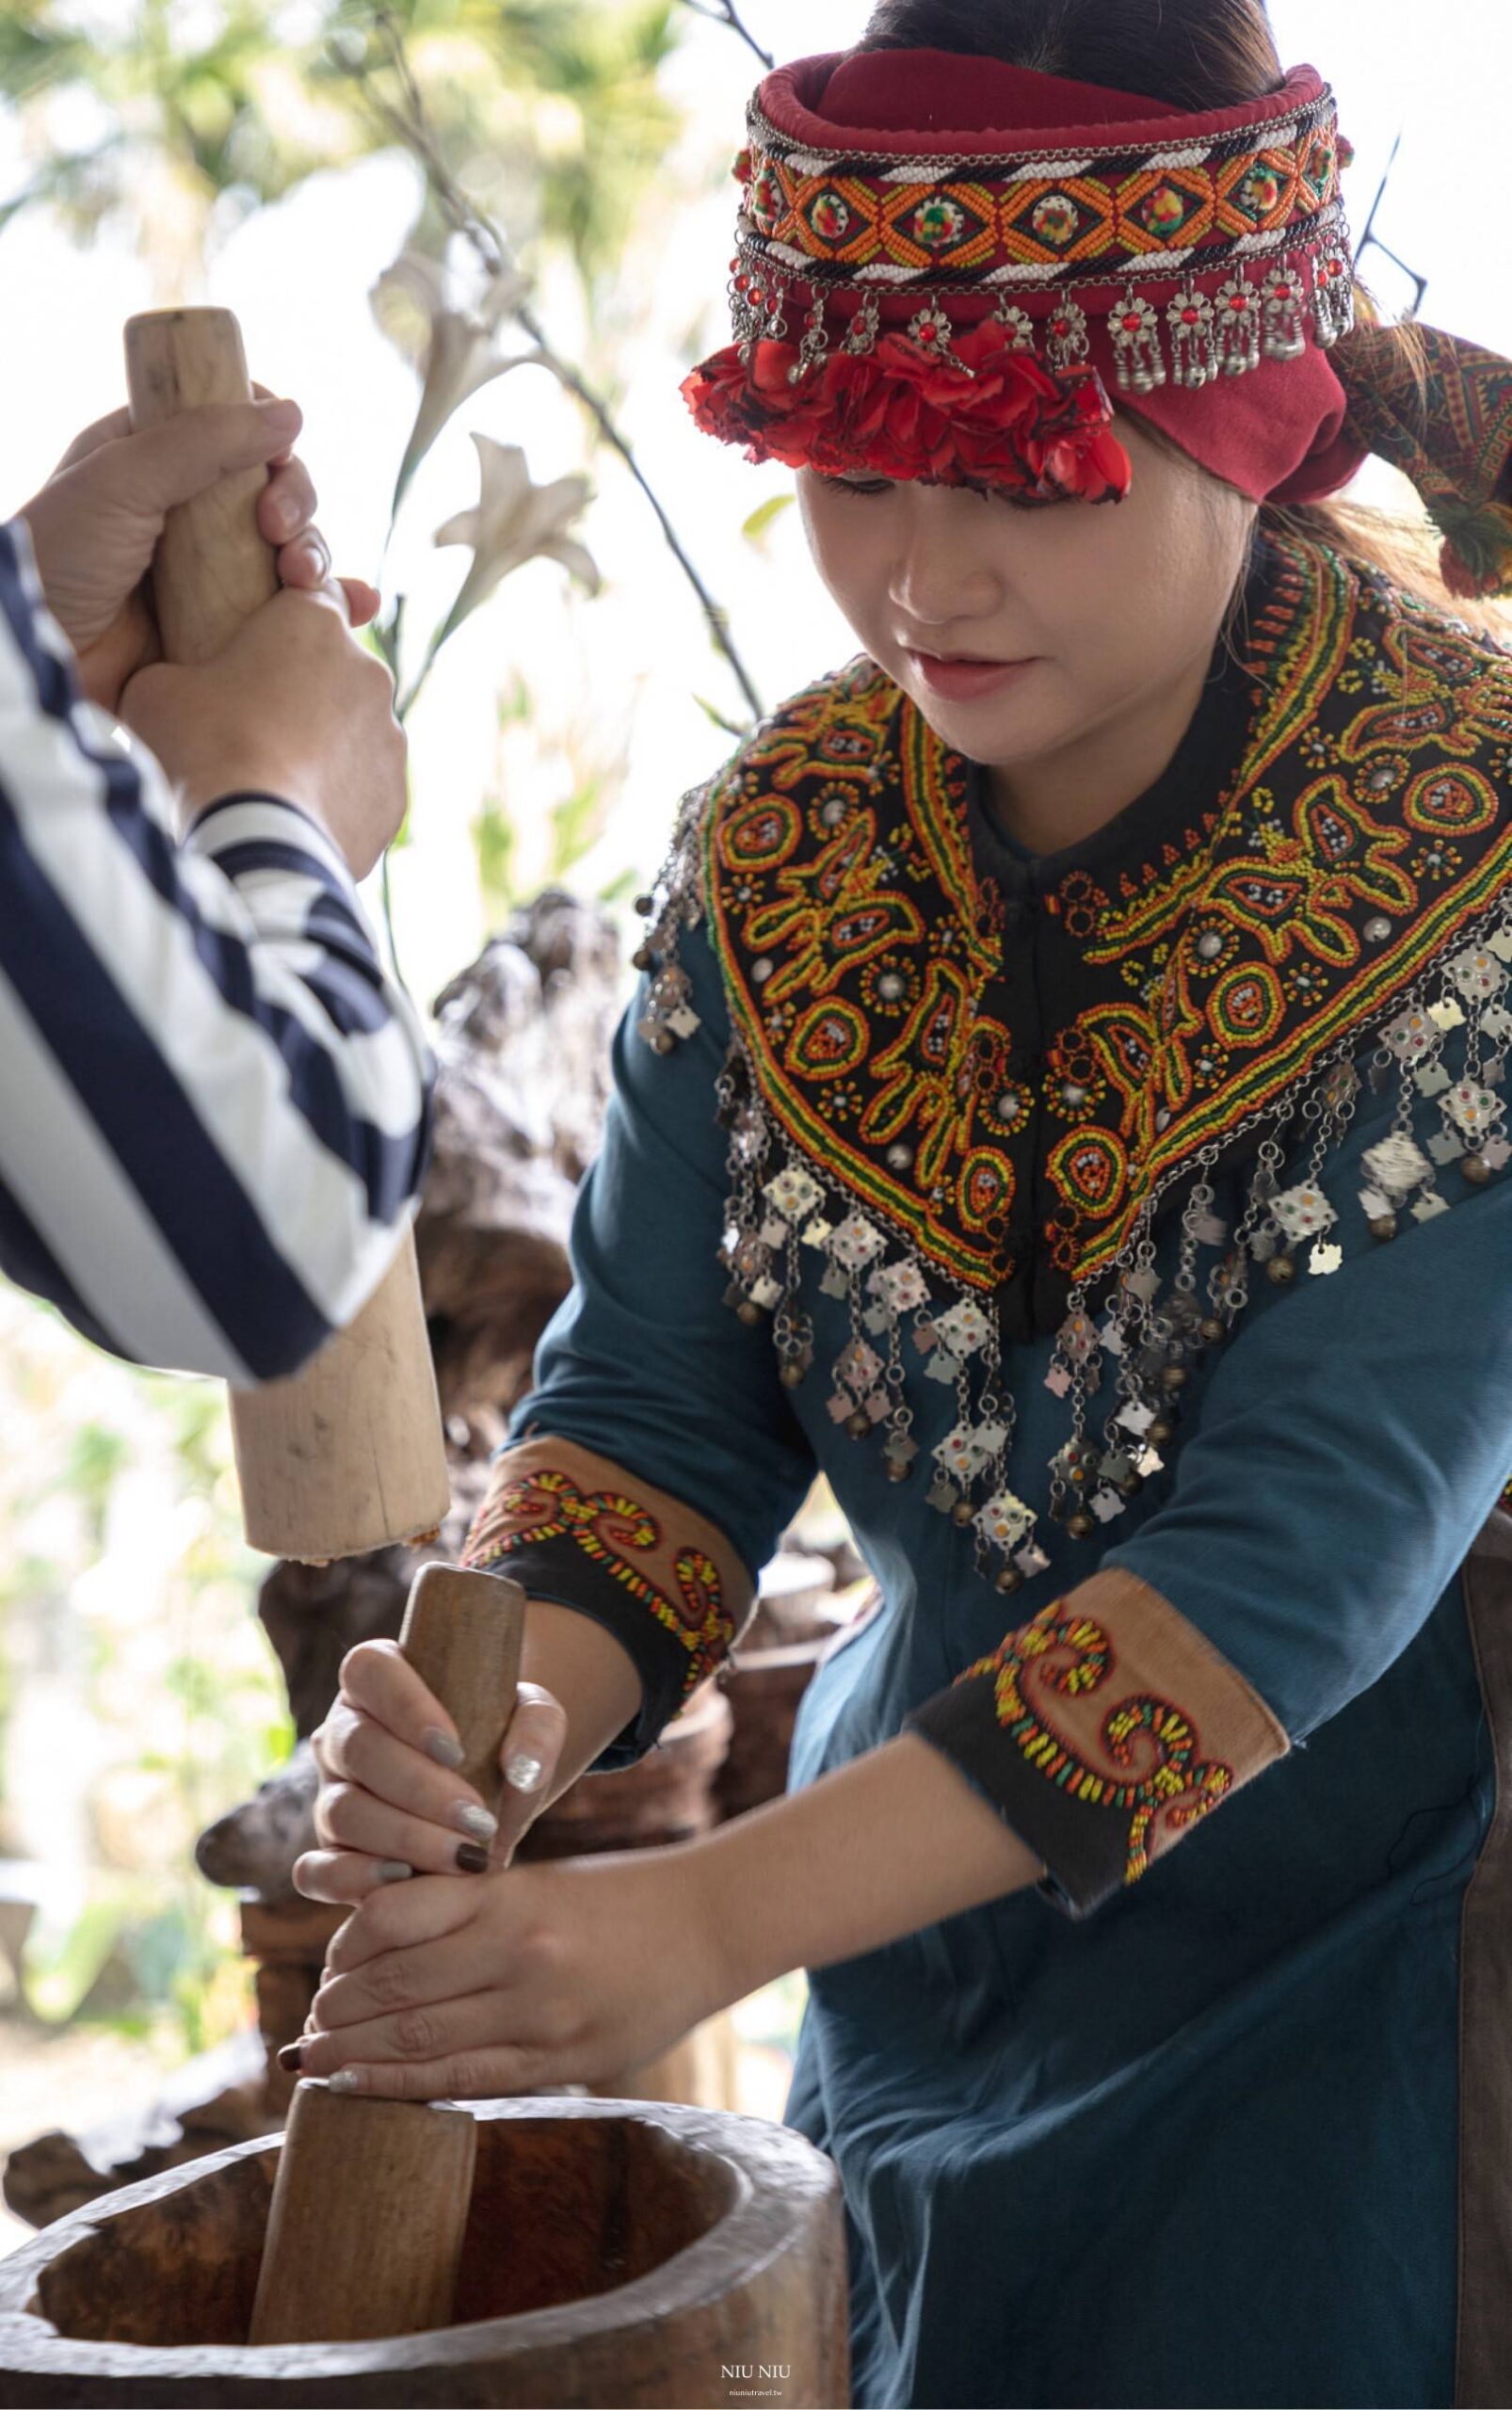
1102 608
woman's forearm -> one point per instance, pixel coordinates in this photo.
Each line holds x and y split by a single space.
895 1840
580 1662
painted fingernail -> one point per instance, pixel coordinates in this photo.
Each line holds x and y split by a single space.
471 1859
524 1770
290 2056
442 1747
475 1820
393 1870
346 2079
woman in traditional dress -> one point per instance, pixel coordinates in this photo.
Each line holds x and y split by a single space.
1066 1106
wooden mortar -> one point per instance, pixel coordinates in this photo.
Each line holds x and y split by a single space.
616 2254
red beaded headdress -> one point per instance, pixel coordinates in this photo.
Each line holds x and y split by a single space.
947 266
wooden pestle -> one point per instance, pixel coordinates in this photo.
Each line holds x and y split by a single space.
346 1455
371 2201
370 2204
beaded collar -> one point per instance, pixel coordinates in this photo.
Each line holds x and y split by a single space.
1231 953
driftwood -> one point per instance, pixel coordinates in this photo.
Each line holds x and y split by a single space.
215 2100
523 1052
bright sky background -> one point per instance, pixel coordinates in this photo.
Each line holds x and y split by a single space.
614 678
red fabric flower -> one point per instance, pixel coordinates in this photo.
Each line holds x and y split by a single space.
984 415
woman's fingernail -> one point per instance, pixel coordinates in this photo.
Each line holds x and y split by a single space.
286 511
471 1859
523 1771
475 1820
442 1747
314 556
282 417
346 2079
290 2055
393 1869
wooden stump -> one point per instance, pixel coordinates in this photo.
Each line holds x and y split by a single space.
287 1946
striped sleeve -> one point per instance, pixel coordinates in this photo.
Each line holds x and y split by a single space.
217 1104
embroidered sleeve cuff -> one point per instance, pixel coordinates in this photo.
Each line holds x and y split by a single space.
1101 1731
584 1532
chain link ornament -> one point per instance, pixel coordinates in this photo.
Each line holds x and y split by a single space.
745 319
776 327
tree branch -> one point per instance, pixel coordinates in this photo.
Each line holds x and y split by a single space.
724 13
410 125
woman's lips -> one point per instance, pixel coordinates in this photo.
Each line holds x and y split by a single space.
965 682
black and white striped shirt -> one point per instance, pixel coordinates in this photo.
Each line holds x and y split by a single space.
215 1106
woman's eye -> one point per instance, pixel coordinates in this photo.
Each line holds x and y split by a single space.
857 485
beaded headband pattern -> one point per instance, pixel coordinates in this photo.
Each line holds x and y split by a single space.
1258 206
957 313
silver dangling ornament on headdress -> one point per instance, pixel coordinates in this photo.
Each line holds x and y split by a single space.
1333 295
864 328
931 329
1019 323
1237 312
1134 327
1066 341
1283 300
814 348
1194 351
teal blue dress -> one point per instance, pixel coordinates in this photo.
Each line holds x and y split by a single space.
1209 2115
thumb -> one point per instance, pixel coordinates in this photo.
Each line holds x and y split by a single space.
534 1740
158 466
363 601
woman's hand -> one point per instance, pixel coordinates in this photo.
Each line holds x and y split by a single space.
293 706
95 523
563 1971
390 1803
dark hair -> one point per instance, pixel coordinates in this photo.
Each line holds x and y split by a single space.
1198 55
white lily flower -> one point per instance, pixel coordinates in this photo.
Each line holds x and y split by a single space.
454 347
515 522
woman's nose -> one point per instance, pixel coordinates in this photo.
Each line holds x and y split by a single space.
940 578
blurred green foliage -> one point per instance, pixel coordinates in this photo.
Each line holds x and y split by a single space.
192 113
139 1698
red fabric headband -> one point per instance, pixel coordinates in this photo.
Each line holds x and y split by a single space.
1007 248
